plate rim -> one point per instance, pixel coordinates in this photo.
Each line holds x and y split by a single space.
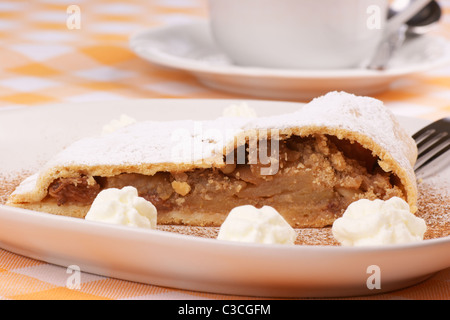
21 213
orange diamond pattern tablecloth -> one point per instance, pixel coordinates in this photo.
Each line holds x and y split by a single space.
43 60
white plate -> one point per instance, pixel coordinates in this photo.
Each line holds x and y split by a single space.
191 48
30 136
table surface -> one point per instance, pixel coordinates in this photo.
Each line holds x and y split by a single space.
42 61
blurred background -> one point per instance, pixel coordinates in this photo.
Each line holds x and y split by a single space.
46 57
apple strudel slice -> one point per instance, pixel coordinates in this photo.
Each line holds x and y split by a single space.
309 165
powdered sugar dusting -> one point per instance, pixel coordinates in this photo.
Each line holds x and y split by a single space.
190 141
349 112
149 142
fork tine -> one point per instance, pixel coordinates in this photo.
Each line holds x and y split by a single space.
422 131
428 139
431 127
432 138
434 157
433 146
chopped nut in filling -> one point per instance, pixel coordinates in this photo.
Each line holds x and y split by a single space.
317 178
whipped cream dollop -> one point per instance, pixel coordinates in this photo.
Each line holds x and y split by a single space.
115 124
250 224
378 222
124 207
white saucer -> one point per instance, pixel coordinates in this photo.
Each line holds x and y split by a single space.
191 47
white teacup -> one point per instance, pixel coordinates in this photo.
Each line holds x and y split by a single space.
301 34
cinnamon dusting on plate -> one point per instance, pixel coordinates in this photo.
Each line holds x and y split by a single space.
9 182
433 206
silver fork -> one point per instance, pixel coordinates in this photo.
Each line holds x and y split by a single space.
432 142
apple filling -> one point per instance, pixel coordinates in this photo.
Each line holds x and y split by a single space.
317 177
